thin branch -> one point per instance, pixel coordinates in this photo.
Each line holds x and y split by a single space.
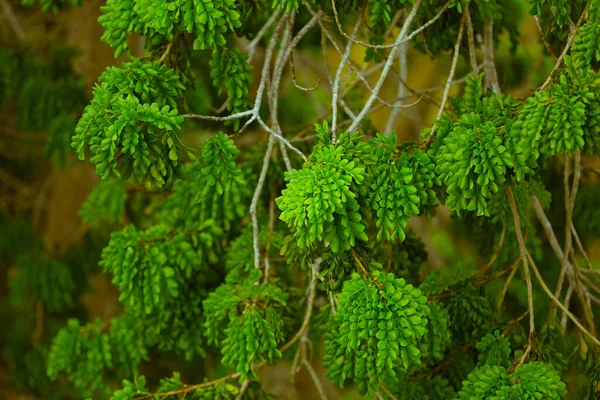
489 66
471 41
566 49
298 86
243 389
12 20
338 74
386 68
388 46
524 260
543 37
514 269
558 303
401 89
315 378
219 119
251 48
166 53
256 197
449 81
312 289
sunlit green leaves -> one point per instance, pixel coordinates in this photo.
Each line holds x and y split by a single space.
319 201
404 182
380 322
132 124
472 162
531 381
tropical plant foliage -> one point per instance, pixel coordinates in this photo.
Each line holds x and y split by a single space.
285 224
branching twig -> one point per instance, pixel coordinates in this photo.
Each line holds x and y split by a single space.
403 64
471 41
524 260
449 81
489 66
566 49
543 37
388 46
251 48
558 303
243 389
338 75
386 68
304 89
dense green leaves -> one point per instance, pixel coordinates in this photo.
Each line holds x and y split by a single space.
494 349
132 125
404 182
559 120
320 203
151 266
473 162
214 188
82 352
207 20
532 381
380 322
245 321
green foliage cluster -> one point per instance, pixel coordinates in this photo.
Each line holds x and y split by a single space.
559 120
405 183
320 201
339 273
245 321
230 69
533 380
82 353
380 321
105 204
206 21
132 125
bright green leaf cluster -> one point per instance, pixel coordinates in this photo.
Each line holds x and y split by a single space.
560 120
319 202
403 183
132 125
379 324
131 390
218 165
534 380
473 162
207 20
